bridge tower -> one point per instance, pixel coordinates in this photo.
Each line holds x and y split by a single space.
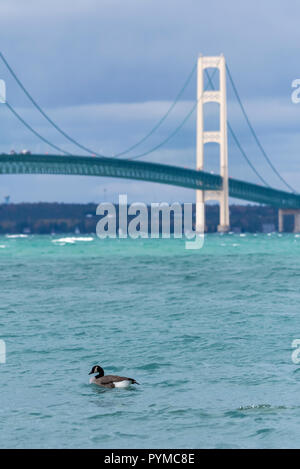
217 136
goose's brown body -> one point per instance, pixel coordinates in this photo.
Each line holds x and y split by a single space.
110 381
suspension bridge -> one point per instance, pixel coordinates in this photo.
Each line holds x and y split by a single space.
208 186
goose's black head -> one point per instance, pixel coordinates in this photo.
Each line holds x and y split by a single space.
97 369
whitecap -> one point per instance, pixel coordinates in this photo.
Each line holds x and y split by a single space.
17 236
255 406
72 240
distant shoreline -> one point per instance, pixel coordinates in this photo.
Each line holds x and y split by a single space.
58 218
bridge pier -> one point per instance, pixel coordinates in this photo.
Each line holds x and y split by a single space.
200 212
218 136
295 212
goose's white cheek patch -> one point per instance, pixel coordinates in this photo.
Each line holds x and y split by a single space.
122 384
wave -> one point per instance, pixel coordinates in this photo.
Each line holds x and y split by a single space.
72 240
16 236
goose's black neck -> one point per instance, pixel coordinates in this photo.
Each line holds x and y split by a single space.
101 373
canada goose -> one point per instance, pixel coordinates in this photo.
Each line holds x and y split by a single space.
109 381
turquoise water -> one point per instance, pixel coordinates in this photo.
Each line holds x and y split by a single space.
207 333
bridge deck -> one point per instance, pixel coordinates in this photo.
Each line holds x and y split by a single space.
144 171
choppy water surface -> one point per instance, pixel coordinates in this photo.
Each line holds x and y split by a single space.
207 334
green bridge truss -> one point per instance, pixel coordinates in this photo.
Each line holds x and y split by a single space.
143 171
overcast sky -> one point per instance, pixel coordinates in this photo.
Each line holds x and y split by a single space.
107 70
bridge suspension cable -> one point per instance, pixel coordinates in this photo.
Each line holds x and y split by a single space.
170 136
88 150
254 134
245 155
78 144
235 138
164 116
29 127
45 140
156 147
